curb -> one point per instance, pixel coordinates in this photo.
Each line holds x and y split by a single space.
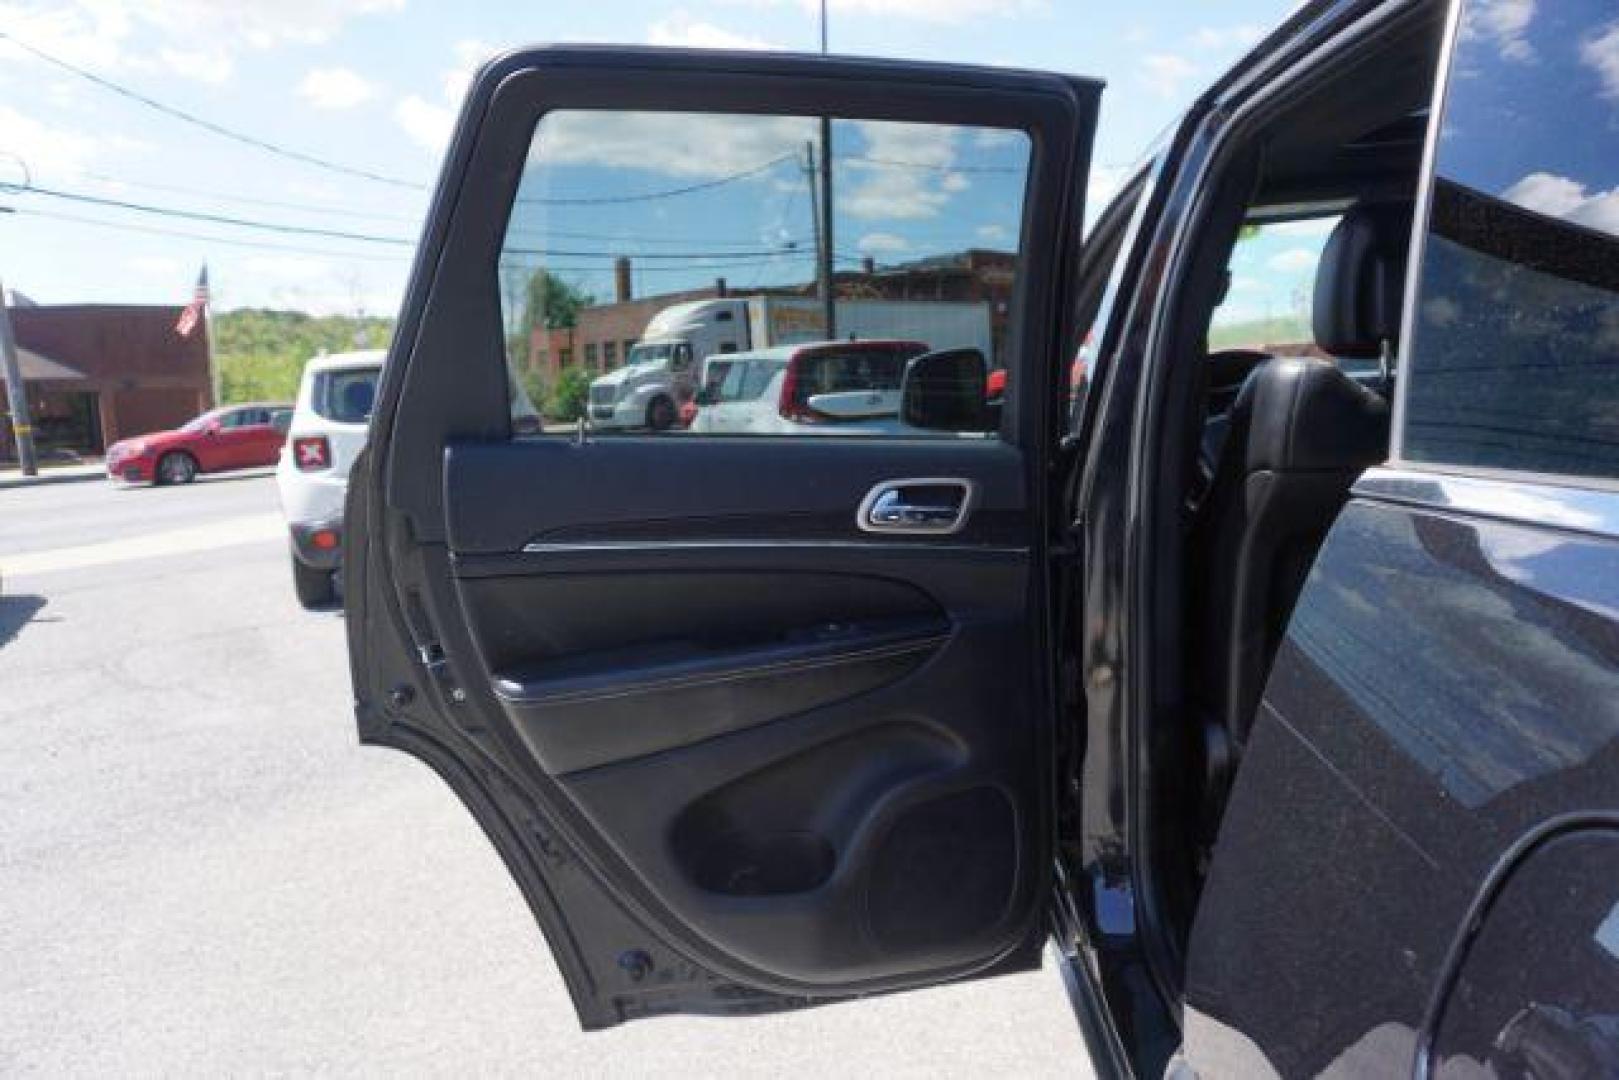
49 477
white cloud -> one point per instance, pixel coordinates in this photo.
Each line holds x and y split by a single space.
195 39
993 234
942 11
335 88
470 54
681 30
48 149
1560 197
882 243
903 172
691 145
1504 21
1163 73
1293 261
155 265
1311 227
1106 181
1228 37
212 66
427 124
1601 53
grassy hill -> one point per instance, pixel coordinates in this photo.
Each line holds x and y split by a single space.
261 353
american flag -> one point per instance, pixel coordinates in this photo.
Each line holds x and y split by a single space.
192 315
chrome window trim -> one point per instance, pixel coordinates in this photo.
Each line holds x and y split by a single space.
539 547
1419 231
1516 498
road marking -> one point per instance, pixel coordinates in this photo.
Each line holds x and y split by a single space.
248 529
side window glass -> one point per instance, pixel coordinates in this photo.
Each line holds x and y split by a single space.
731 388
1513 359
1270 286
640 245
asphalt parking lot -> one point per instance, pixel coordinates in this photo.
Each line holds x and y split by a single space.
203 872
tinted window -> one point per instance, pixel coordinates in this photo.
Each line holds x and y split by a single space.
1270 287
346 396
838 372
697 235
1514 361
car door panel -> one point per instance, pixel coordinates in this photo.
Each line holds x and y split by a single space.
740 752
1446 688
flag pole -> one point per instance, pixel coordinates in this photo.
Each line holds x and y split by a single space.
208 336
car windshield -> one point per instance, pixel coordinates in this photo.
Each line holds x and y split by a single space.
644 354
855 369
200 423
346 396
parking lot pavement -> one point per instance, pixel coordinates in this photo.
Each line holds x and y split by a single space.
203 871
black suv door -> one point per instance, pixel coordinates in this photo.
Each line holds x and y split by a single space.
1418 871
754 721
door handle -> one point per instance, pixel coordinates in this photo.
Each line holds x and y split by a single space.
935 506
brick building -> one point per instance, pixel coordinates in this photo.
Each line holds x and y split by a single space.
97 373
604 333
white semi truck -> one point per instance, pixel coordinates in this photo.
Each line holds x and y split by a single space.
663 370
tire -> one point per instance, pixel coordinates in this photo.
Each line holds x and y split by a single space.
175 467
315 588
661 414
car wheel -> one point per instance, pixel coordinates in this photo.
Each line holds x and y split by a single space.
660 415
175 468
315 588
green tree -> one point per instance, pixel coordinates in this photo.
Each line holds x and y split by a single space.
261 353
568 396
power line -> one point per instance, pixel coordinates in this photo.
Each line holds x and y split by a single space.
373 256
248 200
208 125
153 230
705 185
213 219
341 234
928 166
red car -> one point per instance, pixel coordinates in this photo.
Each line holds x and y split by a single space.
233 437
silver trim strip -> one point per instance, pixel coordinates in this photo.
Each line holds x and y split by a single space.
652 546
1523 502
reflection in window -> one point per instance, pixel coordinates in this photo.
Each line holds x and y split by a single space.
641 245
1514 362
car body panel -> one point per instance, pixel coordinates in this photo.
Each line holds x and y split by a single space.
311 497
219 448
1448 686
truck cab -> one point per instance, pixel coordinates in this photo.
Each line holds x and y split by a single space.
661 372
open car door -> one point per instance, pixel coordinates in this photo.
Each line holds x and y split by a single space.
755 721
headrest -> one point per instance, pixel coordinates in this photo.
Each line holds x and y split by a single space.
1305 414
1360 283
358 397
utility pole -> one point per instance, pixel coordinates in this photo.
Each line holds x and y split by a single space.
829 305
812 174
22 425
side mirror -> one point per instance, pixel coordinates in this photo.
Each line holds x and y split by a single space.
946 391
213 427
703 396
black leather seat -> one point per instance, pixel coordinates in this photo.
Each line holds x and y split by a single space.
1299 433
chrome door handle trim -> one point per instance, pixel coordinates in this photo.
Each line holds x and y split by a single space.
887 509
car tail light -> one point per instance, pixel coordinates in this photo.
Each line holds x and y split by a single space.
323 539
311 452
789 406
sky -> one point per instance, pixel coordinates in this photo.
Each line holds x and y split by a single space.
372 86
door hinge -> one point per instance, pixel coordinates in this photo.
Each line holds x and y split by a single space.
429 653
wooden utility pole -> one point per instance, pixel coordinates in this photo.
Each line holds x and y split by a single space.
22 424
829 302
